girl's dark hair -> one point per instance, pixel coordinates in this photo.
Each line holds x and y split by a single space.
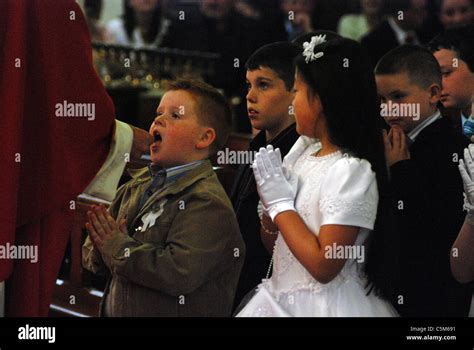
130 22
343 80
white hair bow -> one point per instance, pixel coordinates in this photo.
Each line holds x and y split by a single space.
309 47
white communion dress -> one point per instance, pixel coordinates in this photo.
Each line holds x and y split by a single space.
333 189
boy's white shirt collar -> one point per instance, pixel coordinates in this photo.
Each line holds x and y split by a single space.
176 170
173 172
400 33
424 124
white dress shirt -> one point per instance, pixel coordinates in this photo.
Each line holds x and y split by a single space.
402 34
424 124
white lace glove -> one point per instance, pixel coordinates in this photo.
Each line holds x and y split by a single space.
466 168
276 186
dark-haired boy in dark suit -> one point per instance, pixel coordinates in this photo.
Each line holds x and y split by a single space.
270 76
422 151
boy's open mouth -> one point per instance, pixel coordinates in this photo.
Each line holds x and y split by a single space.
156 137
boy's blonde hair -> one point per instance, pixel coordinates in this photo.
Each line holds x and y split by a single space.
213 109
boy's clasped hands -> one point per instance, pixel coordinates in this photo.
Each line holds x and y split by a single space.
102 226
396 148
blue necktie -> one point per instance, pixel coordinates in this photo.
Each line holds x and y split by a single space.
468 128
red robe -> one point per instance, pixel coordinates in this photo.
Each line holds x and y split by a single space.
45 160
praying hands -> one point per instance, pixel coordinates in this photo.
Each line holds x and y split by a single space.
276 185
102 227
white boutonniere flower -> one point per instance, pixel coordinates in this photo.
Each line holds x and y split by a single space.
149 219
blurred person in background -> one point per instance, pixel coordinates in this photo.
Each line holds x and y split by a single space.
297 17
454 13
92 12
355 26
403 26
142 25
233 29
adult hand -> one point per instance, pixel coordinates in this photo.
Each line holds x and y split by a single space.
141 143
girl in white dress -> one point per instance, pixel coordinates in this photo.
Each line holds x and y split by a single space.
335 252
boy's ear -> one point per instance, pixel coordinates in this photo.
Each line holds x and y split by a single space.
435 93
208 136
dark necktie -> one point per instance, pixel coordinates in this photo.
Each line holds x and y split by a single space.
158 180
